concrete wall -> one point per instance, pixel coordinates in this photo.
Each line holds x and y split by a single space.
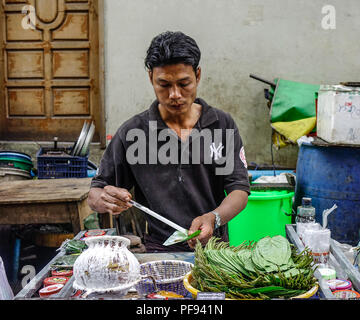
271 38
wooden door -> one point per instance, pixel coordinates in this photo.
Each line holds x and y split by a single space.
49 69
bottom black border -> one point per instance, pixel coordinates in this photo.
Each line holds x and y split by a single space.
172 309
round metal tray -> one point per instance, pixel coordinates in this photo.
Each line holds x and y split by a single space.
85 147
81 139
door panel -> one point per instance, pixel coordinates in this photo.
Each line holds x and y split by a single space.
49 69
29 102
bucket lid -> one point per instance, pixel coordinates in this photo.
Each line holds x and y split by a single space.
339 284
270 194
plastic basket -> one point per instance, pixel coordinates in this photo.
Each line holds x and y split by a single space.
168 275
59 167
188 280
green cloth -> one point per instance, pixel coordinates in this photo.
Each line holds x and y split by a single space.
293 111
293 101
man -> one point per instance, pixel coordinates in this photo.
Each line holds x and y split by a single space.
192 154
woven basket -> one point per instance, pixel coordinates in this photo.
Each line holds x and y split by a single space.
194 291
163 275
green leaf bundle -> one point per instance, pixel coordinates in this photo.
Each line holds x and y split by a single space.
269 268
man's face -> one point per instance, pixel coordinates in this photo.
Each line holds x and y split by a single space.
175 86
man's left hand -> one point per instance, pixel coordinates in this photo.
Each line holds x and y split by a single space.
205 223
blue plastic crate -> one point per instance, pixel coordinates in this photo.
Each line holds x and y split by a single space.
60 167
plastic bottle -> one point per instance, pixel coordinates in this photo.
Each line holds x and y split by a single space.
305 212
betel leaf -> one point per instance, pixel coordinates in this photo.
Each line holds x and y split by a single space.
275 250
261 263
245 257
74 246
65 261
221 268
293 272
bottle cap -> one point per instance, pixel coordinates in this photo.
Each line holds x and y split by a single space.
306 201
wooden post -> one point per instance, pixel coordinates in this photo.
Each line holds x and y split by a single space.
74 217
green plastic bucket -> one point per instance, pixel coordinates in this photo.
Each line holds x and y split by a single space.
266 214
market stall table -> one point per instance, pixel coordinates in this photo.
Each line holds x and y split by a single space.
46 201
31 289
337 260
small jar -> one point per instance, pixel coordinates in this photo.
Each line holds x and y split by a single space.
346 294
50 290
339 284
62 273
55 280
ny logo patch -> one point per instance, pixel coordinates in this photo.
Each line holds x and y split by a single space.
215 152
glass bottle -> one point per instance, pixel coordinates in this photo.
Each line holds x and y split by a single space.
305 212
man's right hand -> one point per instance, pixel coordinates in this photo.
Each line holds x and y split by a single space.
109 199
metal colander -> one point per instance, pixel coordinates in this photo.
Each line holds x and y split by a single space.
163 275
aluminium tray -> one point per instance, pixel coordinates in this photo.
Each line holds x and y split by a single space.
337 260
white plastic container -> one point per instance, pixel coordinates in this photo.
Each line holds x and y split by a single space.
338 114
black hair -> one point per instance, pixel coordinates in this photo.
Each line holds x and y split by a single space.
172 48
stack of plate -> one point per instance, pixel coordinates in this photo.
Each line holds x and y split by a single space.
16 159
15 166
81 146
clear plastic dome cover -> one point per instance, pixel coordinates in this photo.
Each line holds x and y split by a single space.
106 266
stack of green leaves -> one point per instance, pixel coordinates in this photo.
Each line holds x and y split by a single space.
269 268
66 261
74 246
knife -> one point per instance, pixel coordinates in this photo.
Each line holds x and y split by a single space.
178 236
